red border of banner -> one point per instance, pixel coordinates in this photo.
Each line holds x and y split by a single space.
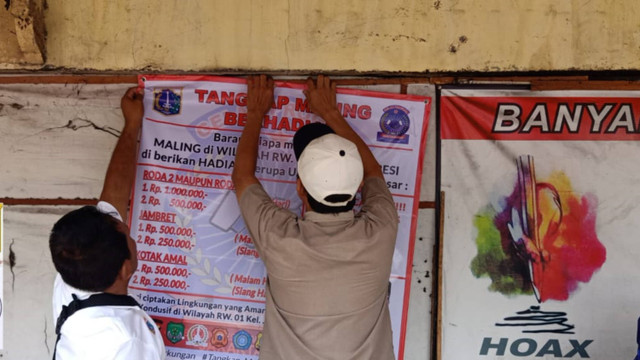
457 110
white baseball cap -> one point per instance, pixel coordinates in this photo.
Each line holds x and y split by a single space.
330 169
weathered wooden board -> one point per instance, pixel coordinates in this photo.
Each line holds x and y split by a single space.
28 328
56 139
428 186
418 339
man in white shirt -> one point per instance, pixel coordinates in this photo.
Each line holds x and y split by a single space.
95 257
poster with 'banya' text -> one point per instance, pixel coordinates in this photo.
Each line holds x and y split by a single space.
199 275
540 230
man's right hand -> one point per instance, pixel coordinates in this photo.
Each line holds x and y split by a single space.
321 96
122 166
322 101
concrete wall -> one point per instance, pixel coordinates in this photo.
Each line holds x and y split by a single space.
332 35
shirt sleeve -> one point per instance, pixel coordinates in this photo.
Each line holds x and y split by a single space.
138 349
107 208
264 219
377 202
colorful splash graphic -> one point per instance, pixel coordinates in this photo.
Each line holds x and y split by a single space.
543 239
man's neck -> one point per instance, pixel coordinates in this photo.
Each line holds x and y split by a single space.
118 288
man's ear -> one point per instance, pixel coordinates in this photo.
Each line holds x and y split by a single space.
126 270
302 192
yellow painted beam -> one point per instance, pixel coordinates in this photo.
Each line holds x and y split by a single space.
332 35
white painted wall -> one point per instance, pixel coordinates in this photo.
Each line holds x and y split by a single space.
55 142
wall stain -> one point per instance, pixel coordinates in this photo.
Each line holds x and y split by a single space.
23 20
453 48
46 343
398 37
12 263
401 12
437 4
79 123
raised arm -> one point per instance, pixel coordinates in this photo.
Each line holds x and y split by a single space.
259 101
322 101
121 171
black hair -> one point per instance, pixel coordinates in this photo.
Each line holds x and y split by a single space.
88 249
307 134
325 209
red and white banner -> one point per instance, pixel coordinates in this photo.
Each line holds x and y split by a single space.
199 275
540 244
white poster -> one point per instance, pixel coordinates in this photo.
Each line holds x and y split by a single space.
199 274
540 230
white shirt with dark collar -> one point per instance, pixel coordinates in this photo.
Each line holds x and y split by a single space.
105 332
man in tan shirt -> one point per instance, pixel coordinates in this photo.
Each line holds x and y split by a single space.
328 271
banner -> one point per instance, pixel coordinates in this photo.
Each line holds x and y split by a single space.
540 245
199 274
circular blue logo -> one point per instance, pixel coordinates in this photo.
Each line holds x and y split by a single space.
242 340
395 121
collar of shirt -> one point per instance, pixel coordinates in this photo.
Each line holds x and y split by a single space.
318 217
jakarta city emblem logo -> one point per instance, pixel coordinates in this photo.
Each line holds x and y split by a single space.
394 124
167 101
175 332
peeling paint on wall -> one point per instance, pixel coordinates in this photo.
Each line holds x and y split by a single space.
22 34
